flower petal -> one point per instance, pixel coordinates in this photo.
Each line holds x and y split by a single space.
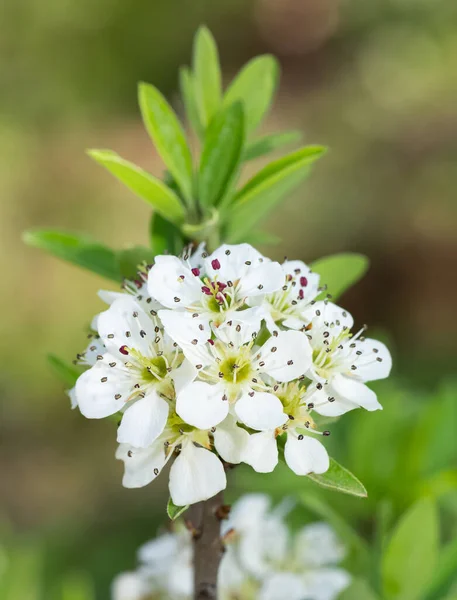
375 362
286 356
102 391
328 316
327 404
260 410
230 440
126 324
142 465
261 452
173 284
72 395
190 333
241 327
349 389
143 421
264 278
183 375
197 474
130 586
317 545
306 455
325 584
283 585
232 262
202 405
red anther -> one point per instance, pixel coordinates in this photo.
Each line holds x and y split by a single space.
221 286
206 290
215 264
124 350
196 271
220 298
303 281
210 341
301 294
138 283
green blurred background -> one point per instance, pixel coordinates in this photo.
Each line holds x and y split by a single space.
375 81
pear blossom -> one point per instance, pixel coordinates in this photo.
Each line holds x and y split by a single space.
138 373
233 370
88 357
213 286
342 361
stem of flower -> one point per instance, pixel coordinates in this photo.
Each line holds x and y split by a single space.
208 547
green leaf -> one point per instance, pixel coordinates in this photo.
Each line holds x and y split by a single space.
77 586
174 511
358 590
339 479
410 557
221 154
265 190
255 86
65 371
445 572
168 136
165 237
131 259
187 87
77 249
263 237
271 142
207 75
341 271
146 186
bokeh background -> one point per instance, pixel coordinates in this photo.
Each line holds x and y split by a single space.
375 81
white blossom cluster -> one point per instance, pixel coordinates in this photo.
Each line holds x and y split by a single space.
223 356
262 561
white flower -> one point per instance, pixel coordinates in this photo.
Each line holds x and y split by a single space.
234 370
196 473
88 358
343 362
303 453
139 373
300 286
214 286
130 586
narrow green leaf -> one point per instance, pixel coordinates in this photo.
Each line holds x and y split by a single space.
165 237
341 271
271 142
65 371
131 259
263 238
146 186
445 572
168 136
339 479
174 511
77 249
410 557
221 154
358 590
207 74
266 189
255 86
187 87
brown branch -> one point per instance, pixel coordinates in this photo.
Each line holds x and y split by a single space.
205 524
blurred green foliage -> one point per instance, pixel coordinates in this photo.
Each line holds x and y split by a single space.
375 82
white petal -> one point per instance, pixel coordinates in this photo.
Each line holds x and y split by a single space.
126 324
264 278
95 348
72 395
349 389
248 511
173 284
375 362
159 552
260 411
286 356
280 586
197 259
142 465
108 296
306 455
143 421
231 575
317 545
183 375
197 474
190 333
327 404
130 586
328 316
292 323
325 584
102 391
240 327
235 261
262 452
230 440
202 405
